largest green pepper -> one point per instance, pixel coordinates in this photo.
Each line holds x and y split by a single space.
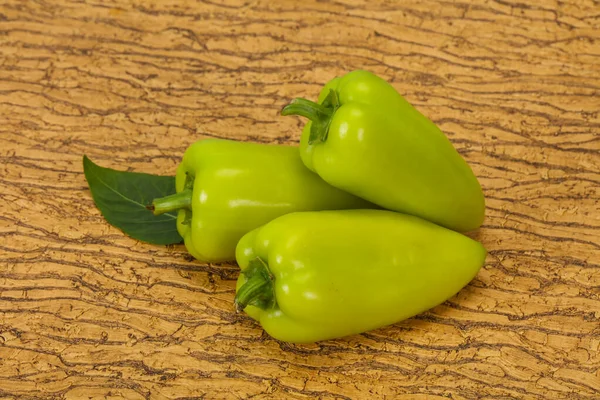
320 275
227 188
365 138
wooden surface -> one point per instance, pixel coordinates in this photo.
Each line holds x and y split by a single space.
86 312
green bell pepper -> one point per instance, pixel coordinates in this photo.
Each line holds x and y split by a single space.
365 138
313 276
227 188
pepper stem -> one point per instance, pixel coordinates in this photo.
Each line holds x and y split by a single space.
173 202
319 114
306 108
258 290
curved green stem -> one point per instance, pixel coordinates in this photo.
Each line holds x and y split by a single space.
319 114
258 290
173 202
306 108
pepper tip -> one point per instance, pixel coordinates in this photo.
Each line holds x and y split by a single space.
238 307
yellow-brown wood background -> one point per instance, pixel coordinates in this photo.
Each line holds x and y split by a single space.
86 312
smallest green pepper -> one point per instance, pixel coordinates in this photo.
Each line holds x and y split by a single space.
312 276
227 188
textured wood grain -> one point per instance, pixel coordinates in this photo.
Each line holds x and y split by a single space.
86 312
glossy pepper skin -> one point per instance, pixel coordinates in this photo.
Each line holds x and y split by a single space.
365 138
227 188
313 276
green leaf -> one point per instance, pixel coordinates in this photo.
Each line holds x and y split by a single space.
122 198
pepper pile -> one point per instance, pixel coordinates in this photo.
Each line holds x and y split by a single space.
354 230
